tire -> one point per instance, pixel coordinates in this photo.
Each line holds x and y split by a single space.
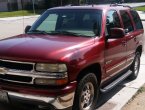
135 67
86 94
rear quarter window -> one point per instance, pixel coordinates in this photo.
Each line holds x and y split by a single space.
136 19
126 21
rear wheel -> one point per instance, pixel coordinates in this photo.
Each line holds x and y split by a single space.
86 93
135 67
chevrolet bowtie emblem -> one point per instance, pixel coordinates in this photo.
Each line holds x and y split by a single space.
3 70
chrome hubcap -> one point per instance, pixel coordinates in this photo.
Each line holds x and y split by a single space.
87 96
136 65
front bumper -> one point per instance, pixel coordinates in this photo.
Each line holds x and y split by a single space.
60 102
62 98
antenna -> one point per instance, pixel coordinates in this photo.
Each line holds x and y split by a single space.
92 3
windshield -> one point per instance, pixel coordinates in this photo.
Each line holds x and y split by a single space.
81 22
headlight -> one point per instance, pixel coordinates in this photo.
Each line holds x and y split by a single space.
44 67
57 72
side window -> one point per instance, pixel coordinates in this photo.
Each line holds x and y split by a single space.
112 21
136 19
126 21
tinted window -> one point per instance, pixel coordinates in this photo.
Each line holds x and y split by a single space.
126 21
136 19
81 22
112 21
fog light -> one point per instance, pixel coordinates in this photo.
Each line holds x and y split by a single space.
47 81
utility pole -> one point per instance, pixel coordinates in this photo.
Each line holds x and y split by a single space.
33 1
8 5
61 2
78 2
22 4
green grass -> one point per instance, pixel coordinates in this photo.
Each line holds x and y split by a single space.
19 13
141 90
142 8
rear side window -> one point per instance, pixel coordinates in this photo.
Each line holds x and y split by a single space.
126 21
136 19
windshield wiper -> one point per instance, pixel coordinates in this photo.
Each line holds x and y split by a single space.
73 34
37 32
56 33
66 33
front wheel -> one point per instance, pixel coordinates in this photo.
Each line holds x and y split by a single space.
86 93
135 67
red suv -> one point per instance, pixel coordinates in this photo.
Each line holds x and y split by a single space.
69 55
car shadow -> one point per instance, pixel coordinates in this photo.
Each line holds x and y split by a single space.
4 106
104 97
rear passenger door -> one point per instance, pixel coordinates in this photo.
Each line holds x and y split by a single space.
131 35
138 32
129 30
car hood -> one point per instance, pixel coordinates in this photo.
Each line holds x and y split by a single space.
36 48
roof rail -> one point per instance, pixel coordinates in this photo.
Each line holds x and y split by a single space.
120 5
80 5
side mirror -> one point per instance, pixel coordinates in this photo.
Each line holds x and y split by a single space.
27 28
117 33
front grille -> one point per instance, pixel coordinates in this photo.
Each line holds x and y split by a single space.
24 79
15 71
16 65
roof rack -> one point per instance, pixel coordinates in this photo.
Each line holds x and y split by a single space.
80 5
120 5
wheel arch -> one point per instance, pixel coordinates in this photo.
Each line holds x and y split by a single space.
139 49
94 68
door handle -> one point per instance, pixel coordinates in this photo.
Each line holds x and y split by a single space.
131 36
134 38
124 43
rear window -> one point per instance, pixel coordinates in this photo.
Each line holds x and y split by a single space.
136 19
126 21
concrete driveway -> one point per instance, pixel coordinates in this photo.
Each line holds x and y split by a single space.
135 4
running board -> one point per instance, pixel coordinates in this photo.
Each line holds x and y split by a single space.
116 82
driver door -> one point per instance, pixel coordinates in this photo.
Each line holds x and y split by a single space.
115 49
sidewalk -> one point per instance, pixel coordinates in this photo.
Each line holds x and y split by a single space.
18 18
142 15
120 95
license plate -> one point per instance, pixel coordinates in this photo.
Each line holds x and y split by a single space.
4 97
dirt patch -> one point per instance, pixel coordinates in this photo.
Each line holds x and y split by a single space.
137 102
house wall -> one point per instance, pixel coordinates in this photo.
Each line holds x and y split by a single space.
13 5
3 5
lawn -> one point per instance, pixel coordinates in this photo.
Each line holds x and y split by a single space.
19 13
142 8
